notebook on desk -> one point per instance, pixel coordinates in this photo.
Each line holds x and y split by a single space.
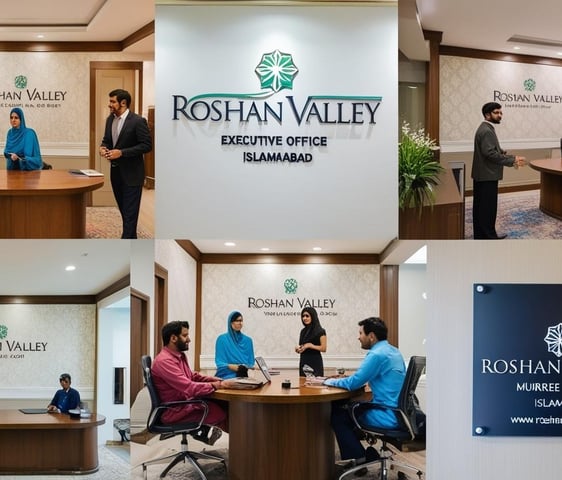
33 410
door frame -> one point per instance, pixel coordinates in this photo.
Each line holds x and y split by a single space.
94 67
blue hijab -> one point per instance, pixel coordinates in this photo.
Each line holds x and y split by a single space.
23 142
233 347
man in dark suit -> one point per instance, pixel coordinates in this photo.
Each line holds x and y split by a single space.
126 139
487 169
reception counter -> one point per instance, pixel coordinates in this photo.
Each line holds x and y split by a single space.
551 185
44 203
48 443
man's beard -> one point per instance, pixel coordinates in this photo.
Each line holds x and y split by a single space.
182 346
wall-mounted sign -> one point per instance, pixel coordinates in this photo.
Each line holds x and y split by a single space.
22 94
276 72
517 369
277 121
13 348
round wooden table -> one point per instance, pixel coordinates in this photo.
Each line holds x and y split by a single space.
48 443
280 434
44 203
551 185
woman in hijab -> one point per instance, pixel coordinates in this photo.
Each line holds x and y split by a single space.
234 351
22 147
312 342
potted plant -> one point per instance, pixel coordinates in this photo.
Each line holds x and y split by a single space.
418 171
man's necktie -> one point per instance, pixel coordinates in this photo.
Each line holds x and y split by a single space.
114 130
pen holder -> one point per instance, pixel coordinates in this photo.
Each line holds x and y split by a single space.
286 384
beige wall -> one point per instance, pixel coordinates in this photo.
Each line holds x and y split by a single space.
68 332
61 122
453 268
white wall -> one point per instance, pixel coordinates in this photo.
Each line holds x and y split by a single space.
453 267
220 193
412 309
142 275
182 277
114 334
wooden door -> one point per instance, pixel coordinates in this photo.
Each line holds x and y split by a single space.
139 340
105 77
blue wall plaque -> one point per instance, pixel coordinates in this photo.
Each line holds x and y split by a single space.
517 359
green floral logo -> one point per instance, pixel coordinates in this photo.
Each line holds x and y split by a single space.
290 285
276 71
20 81
3 332
529 84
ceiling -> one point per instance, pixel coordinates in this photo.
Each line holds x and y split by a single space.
392 252
37 267
77 21
296 246
498 25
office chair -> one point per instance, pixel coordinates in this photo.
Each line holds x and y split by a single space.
154 425
407 427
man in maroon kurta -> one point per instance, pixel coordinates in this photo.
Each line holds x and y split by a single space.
174 380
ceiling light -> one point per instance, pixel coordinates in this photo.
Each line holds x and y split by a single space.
317 249
516 48
229 244
40 36
70 268
264 249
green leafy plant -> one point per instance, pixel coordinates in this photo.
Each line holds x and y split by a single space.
418 172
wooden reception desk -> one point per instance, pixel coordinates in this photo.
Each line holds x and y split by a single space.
48 443
551 185
44 203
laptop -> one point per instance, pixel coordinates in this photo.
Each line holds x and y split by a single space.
264 369
33 410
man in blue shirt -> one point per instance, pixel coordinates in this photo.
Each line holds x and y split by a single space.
66 398
384 370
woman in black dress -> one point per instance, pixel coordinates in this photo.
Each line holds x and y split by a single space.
312 342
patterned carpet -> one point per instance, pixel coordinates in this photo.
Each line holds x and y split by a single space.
217 471
519 217
105 222
112 466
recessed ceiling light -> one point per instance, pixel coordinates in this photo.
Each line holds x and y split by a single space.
516 48
70 268
558 53
40 36
317 249
264 249
229 244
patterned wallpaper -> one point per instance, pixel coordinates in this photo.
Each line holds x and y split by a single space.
55 98
39 342
342 295
530 95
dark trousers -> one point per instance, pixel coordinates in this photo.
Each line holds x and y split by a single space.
128 200
485 209
348 442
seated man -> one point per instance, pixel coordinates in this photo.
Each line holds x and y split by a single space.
174 380
66 398
384 370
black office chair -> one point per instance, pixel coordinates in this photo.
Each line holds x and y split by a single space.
405 412
154 425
